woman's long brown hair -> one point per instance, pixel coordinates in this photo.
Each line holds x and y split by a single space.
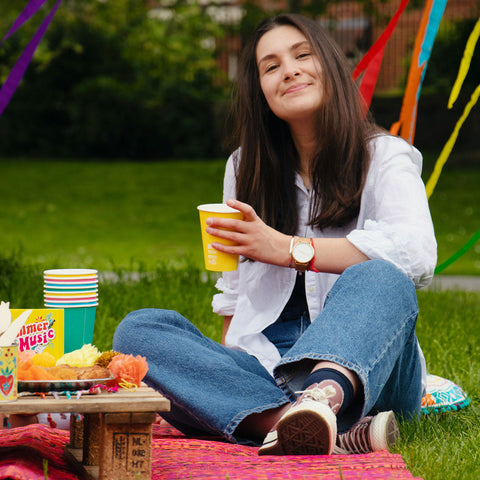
269 160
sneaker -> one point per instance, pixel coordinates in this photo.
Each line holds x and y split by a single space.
309 427
369 435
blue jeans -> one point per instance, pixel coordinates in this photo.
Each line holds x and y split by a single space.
367 325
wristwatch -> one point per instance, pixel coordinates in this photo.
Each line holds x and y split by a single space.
301 253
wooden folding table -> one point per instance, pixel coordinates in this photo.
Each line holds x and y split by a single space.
113 440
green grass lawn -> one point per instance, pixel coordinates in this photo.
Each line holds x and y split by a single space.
101 215
439 447
106 215
455 208
128 216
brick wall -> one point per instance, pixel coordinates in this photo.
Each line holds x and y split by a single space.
394 69
355 32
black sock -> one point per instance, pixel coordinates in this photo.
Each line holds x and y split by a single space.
323 374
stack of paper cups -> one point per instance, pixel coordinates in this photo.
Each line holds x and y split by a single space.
76 291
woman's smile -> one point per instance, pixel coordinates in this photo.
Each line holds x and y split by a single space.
290 75
296 88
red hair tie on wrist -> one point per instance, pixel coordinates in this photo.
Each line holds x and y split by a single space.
312 262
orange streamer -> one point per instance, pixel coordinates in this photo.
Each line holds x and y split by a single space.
421 53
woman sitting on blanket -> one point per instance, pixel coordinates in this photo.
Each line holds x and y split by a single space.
320 350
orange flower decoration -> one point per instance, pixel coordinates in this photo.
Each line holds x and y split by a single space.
128 369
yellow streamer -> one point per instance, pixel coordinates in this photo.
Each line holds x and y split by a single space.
464 64
447 149
127 385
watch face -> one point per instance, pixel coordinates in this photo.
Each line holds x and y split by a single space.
303 253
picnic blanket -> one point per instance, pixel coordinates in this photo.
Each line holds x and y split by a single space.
35 452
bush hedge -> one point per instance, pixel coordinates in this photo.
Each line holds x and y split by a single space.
142 88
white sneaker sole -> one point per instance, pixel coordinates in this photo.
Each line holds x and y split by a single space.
307 429
383 431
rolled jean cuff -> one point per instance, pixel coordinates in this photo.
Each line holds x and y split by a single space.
230 431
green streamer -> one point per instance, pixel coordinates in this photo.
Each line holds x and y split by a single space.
458 254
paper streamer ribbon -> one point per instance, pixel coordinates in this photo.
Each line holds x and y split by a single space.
444 154
458 254
464 64
370 63
432 15
16 75
372 60
432 182
31 9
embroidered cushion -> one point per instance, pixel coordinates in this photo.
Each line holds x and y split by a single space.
443 396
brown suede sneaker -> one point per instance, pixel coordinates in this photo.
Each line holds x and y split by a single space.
369 435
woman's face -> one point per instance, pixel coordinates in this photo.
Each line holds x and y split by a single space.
290 74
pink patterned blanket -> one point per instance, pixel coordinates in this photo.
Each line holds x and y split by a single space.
35 452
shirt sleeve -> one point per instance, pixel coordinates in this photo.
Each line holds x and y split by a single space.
224 303
395 222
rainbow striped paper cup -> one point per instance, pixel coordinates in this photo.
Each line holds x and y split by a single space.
76 291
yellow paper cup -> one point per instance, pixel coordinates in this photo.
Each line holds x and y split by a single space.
8 373
214 260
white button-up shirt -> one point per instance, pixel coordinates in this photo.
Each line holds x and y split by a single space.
393 224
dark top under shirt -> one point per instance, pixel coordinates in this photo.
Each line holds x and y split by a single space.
297 303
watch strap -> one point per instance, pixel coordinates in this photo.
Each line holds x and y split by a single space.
293 263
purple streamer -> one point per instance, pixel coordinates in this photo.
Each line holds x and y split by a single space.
29 11
16 75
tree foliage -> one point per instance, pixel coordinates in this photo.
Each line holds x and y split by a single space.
447 54
118 78
114 79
